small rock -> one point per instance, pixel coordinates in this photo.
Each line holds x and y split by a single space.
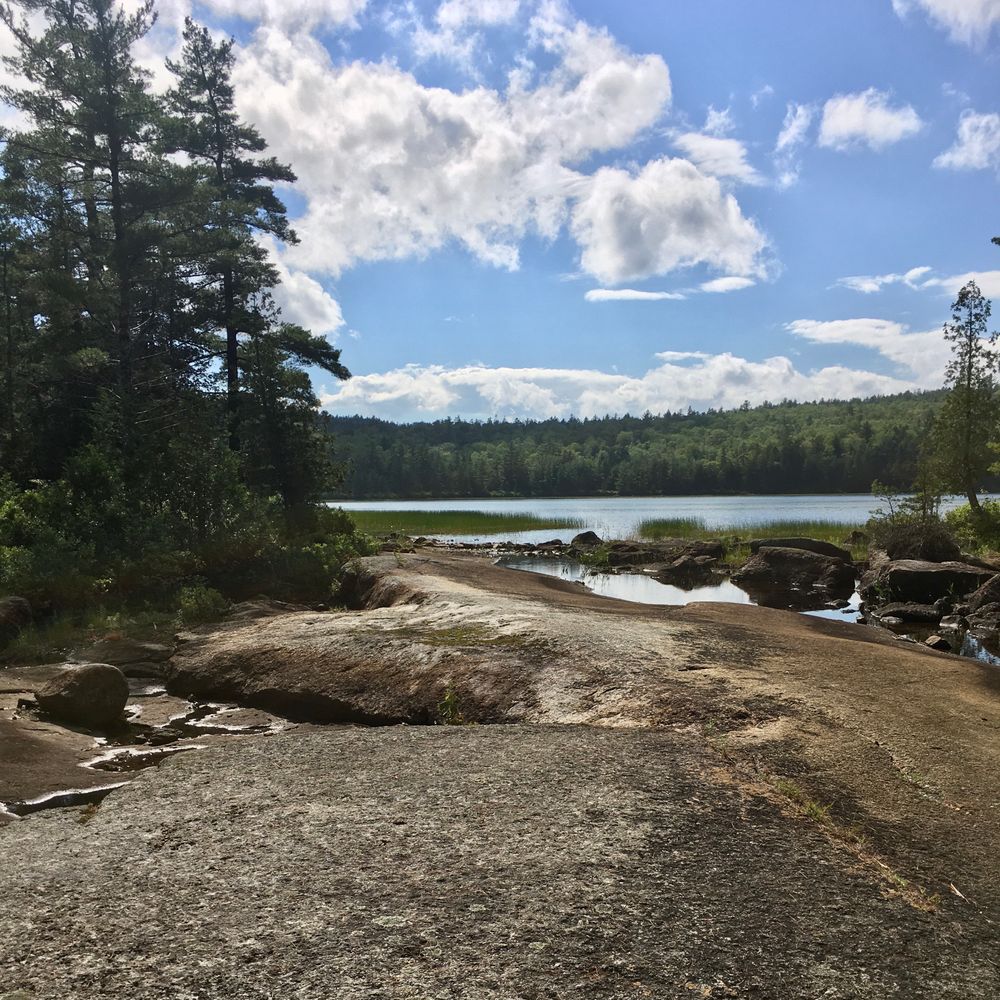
938 642
91 694
586 539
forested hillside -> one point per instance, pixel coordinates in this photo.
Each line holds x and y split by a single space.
837 446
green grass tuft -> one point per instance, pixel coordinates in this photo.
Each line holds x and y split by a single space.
455 522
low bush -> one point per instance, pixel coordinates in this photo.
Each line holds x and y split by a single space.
911 527
198 603
976 531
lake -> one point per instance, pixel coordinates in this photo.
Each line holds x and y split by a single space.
619 517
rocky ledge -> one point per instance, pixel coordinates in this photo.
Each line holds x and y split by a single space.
714 801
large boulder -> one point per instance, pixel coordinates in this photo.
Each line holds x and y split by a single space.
908 611
586 540
89 694
121 652
15 615
687 571
666 550
806 544
988 593
920 581
783 576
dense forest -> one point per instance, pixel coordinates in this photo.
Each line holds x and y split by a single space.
824 447
158 428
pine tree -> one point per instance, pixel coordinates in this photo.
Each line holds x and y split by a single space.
968 420
236 193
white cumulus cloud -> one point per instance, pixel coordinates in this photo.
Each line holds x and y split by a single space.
391 168
968 21
924 354
681 379
666 216
302 299
977 146
866 119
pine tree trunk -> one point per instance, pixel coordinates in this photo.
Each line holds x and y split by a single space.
232 362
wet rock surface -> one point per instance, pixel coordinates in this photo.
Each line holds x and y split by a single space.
469 862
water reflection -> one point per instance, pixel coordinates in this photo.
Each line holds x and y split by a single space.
628 586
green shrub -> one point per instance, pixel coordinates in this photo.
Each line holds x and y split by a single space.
199 603
911 527
976 531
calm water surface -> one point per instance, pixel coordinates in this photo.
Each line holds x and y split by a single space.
619 517
645 590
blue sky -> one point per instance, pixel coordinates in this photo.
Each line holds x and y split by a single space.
531 208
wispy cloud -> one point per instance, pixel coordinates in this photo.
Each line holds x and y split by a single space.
629 295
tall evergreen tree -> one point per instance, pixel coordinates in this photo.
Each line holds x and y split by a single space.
968 420
236 194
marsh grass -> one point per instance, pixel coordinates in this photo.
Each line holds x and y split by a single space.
455 522
736 537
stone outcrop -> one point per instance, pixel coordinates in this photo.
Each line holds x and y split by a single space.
988 593
806 544
920 581
666 550
926 614
87 694
785 577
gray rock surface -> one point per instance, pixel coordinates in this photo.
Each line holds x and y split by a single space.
482 863
921 581
806 544
89 694
910 612
988 593
782 571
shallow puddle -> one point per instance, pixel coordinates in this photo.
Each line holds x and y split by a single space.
60 800
133 759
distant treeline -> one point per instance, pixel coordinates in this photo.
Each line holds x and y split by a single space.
824 447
